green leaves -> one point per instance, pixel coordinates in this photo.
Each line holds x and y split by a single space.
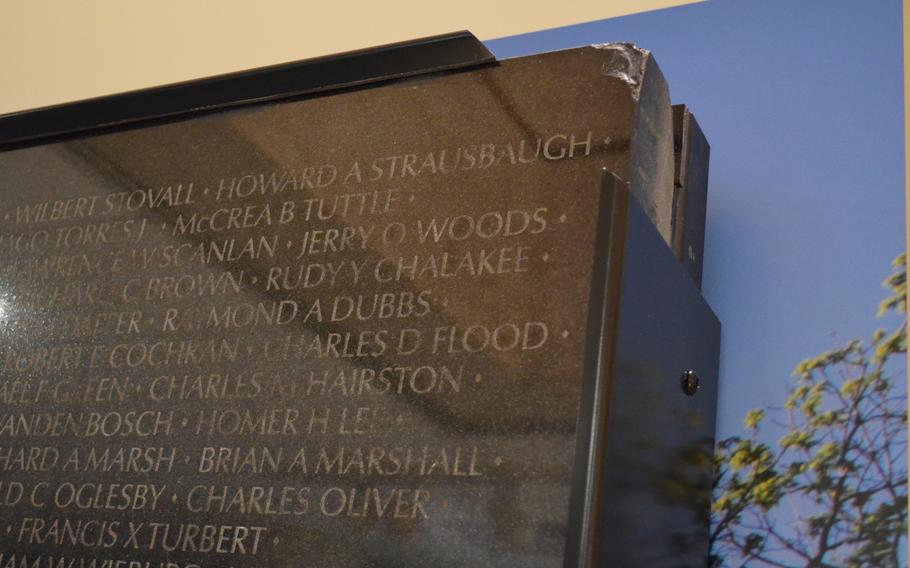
801 439
897 282
827 359
754 418
833 490
852 387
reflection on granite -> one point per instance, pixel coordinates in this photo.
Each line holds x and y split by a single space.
341 331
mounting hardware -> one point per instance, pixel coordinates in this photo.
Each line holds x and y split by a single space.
690 382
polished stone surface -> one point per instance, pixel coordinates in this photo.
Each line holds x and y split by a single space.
341 331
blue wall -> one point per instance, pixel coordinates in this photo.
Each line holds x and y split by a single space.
802 103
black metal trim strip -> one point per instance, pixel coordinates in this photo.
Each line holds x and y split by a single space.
394 61
584 502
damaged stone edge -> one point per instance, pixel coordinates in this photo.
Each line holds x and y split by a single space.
625 62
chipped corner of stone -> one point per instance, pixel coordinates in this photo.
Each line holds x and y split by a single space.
624 61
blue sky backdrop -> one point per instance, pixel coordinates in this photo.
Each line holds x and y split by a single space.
802 103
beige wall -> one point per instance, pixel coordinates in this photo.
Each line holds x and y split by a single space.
58 51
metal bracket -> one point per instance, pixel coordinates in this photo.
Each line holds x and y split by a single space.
642 483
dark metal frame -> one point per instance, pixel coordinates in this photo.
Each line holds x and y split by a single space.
648 325
434 54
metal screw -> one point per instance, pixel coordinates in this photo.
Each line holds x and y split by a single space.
690 383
